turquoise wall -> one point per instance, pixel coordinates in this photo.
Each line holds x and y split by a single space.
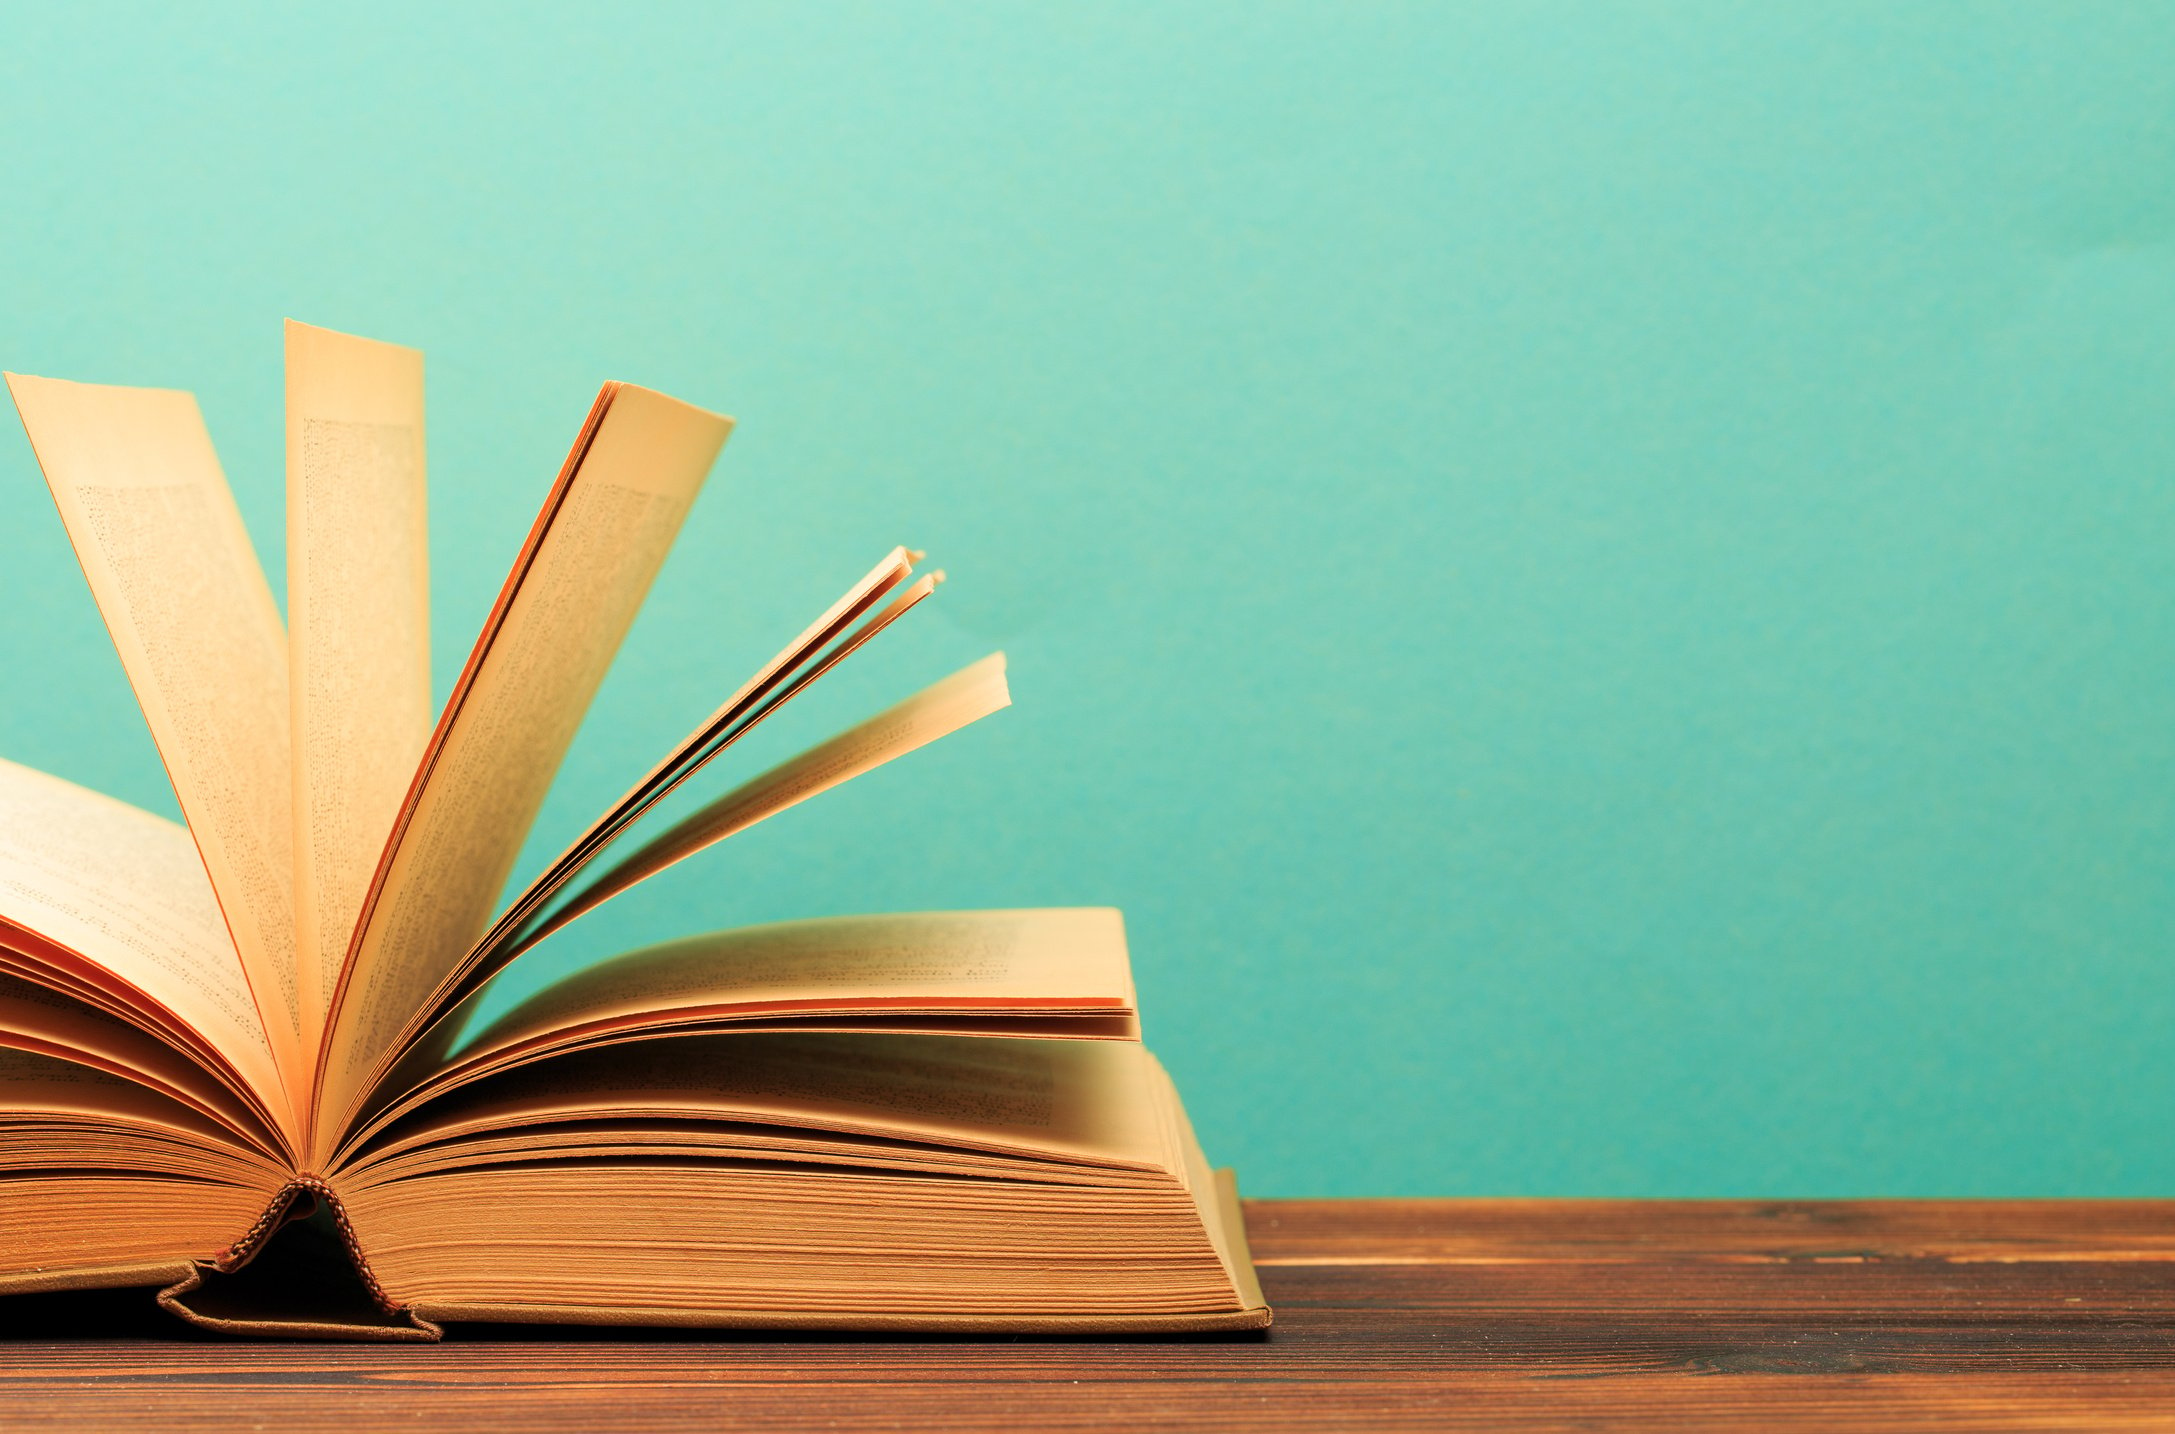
1595 579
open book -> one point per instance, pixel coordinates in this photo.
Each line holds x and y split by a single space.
255 1058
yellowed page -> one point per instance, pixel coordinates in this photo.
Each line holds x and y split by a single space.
1060 972
966 696
79 1228
358 628
33 1082
155 527
429 1152
1079 1100
573 593
37 1019
706 741
963 961
515 930
125 891
75 1125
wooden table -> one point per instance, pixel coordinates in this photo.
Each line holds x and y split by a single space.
1390 1314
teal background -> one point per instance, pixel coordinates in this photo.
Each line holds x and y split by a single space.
1594 579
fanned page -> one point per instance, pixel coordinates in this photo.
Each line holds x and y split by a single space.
931 961
588 563
778 681
527 921
848 626
358 641
38 1019
148 509
1083 1100
124 893
968 695
1058 972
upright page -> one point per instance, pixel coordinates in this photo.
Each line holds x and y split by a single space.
171 566
968 695
568 603
358 627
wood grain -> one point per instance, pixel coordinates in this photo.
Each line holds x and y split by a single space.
1391 1314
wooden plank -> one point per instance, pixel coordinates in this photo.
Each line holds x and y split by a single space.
1541 1315
1497 1231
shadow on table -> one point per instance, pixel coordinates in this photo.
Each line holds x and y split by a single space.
133 1314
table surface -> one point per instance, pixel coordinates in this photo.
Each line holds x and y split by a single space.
1498 1314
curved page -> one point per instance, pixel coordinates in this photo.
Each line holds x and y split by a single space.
1058 972
1085 1101
560 618
125 891
146 505
938 710
789 670
962 961
358 627
36 1018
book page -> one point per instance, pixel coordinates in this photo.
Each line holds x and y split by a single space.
149 512
358 628
38 1019
1082 1100
34 1084
787 675
770 687
25 953
1031 974
573 593
923 961
968 695
125 891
